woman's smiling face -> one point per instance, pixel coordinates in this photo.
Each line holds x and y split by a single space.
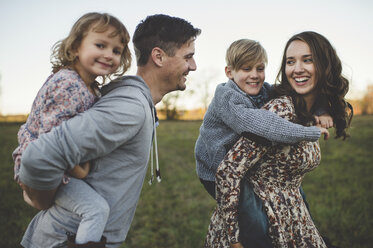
300 69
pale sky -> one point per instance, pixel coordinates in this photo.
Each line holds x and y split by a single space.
30 28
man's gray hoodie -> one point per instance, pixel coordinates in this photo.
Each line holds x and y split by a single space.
117 133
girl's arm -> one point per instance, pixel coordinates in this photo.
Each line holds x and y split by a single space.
61 97
92 134
67 97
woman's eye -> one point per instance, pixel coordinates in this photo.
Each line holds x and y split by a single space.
289 62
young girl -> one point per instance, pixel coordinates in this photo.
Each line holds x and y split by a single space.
97 46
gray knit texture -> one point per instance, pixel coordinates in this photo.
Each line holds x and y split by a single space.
231 113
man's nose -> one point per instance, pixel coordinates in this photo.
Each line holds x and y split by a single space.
192 65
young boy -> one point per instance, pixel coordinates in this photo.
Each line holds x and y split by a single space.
235 110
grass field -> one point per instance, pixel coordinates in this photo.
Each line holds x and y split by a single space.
176 212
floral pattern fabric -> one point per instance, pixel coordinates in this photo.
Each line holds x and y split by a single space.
63 95
276 173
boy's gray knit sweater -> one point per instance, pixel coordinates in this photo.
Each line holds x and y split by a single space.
231 113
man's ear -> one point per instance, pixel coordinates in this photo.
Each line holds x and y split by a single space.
157 56
228 72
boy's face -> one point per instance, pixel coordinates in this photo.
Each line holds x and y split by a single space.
248 79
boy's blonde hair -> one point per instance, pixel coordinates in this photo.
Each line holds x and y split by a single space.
245 52
63 52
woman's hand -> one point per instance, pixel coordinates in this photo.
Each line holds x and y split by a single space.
237 245
324 120
81 170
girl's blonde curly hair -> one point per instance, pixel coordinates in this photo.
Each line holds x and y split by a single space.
63 52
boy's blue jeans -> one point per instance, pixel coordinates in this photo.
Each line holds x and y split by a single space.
252 218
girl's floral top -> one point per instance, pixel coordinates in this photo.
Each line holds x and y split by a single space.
62 96
276 173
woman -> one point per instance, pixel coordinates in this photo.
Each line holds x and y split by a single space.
310 74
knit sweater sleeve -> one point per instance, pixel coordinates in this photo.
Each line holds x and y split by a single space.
242 118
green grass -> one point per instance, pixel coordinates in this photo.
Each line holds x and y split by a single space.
176 212
14 213
340 189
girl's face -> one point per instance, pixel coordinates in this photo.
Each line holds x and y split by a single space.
249 79
300 70
99 54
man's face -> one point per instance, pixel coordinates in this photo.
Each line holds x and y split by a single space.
179 65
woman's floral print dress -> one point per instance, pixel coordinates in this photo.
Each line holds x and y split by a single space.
276 174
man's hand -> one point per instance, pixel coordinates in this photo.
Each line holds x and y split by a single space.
237 245
80 171
39 199
324 120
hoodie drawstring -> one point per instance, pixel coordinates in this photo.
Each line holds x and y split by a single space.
154 149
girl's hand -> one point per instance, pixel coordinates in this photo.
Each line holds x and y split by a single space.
324 120
81 170
237 245
324 132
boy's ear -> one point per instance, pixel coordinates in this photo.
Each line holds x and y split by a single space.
157 55
228 72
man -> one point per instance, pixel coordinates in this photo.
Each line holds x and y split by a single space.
117 132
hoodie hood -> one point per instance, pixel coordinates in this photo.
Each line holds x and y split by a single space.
138 82
130 81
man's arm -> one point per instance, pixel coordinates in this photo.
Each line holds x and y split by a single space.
92 134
